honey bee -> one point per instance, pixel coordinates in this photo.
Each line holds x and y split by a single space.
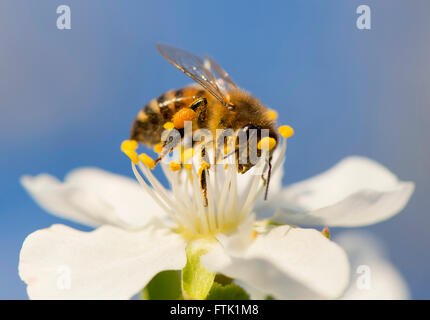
216 102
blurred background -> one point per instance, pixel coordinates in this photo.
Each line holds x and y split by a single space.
68 97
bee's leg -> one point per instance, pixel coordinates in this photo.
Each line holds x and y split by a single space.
222 148
172 143
267 182
264 180
200 107
204 187
204 174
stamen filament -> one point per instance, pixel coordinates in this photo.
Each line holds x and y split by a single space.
163 194
231 210
198 199
211 203
253 189
152 193
223 198
218 208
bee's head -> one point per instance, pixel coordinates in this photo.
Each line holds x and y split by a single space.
252 134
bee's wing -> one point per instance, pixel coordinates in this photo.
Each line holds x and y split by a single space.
193 66
224 81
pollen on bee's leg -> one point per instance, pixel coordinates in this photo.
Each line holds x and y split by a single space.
203 182
266 142
147 160
185 114
129 148
204 166
286 131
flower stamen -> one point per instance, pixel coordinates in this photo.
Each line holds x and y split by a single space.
218 208
266 143
286 131
147 161
175 166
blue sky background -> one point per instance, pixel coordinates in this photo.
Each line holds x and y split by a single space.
67 98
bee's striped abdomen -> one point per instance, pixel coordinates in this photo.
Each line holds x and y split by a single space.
148 125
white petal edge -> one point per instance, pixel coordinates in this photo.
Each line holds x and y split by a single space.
366 254
288 263
109 263
93 197
355 192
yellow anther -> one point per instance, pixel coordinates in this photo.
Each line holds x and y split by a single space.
158 148
254 234
272 114
147 160
326 232
132 155
204 166
226 166
129 147
168 125
286 131
188 166
175 166
187 155
266 141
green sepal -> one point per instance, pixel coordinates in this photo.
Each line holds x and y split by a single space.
222 279
166 285
228 292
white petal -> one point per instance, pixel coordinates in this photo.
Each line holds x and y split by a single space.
355 192
254 294
108 263
241 239
288 263
94 197
275 181
372 276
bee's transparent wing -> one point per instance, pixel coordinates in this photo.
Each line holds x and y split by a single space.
194 67
224 82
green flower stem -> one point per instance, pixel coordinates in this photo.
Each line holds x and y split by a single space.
196 279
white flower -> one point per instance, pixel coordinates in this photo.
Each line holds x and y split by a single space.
373 277
144 232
